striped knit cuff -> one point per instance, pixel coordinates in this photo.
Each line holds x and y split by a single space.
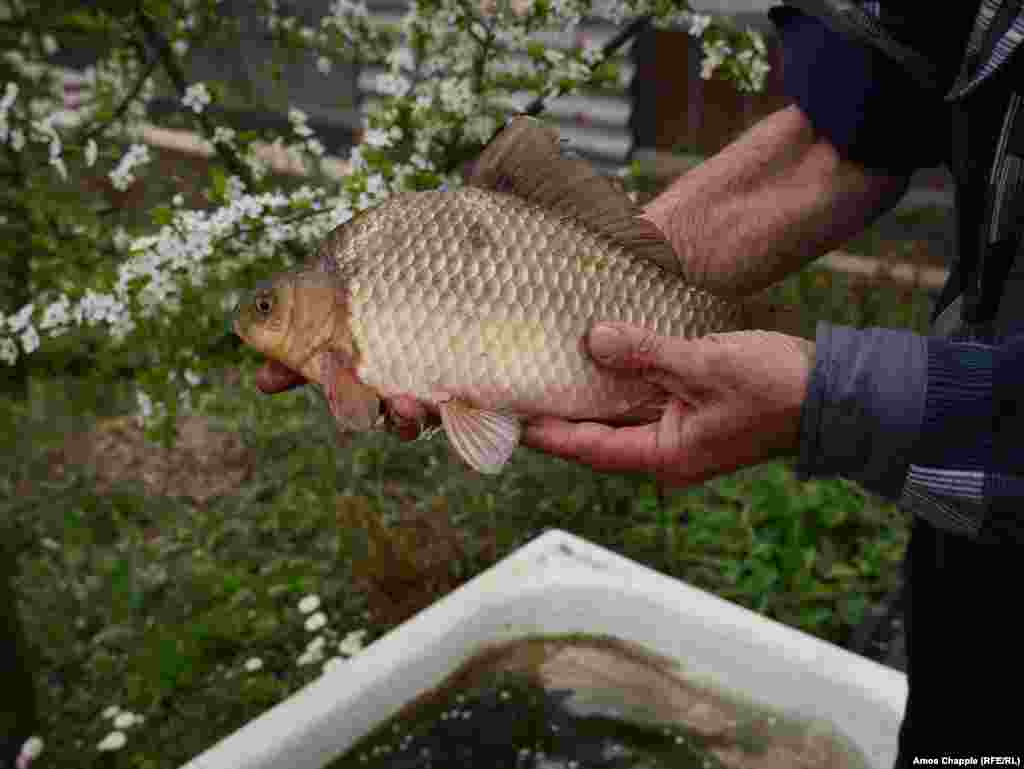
956 432
946 482
863 411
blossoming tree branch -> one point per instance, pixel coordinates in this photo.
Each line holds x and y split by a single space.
91 280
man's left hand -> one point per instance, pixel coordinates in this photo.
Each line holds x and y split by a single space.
734 401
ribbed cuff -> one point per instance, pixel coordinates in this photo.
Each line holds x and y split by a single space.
956 432
865 405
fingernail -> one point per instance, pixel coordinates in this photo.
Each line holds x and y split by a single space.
608 343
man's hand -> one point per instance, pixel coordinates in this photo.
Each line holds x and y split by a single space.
734 401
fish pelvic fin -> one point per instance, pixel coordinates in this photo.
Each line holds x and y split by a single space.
526 159
354 405
483 439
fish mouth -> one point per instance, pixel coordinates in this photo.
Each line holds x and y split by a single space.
275 377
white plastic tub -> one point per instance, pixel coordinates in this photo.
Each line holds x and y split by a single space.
559 584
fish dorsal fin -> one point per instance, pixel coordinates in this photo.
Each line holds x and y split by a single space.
526 159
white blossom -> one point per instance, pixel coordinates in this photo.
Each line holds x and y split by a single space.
309 604
392 84
122 177
315 147
314 652
376 137
56 315
334 663
121 239
400 58
50 45
699 22
30 751
30 340
21 318
62 169
714 55
456 95
113 741
554 56
180 46
323 65
356 159
124 720
8 351
6 102
298 120
316 622
375 185
145 404
234 188
352 643
591 53
757 39
224 135
340 9
339 216
196 97
32 747
91 152
253 664
46 132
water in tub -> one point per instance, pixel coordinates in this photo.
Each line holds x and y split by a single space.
584 702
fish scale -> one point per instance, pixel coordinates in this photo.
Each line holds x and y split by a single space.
500 323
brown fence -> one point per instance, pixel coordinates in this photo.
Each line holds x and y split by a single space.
675 109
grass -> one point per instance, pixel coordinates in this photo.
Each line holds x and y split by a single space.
135 596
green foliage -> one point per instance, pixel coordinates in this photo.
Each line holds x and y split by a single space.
168 597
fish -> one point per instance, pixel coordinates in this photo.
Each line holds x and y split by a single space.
476 300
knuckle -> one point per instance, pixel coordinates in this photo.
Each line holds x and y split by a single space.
648 348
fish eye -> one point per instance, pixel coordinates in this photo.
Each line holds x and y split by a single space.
264 305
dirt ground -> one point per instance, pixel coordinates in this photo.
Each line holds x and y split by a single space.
205 463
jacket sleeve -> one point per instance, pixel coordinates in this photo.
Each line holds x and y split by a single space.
967 473
865 406
934 424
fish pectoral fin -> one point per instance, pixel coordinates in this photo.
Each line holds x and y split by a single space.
354 405
484 439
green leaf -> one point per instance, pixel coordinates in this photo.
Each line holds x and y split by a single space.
162 215
219 182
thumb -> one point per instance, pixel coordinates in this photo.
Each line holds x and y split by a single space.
620 345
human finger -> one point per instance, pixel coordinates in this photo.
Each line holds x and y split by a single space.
613 449
625 346
406 416
273 377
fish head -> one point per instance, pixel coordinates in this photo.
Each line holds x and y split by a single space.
290 318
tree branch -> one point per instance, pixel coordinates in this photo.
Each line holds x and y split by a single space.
229 157
123 106
177 76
